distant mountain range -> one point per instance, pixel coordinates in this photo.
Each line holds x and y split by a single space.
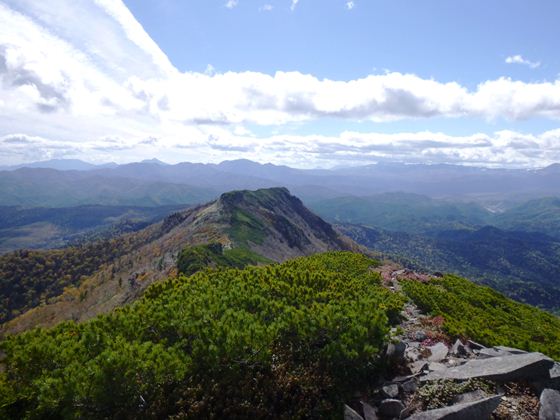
63 183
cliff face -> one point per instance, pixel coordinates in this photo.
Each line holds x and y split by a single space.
269 222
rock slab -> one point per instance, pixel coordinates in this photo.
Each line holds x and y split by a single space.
550 405
530 366
481 409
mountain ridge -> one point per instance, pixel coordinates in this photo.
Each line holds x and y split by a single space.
271 223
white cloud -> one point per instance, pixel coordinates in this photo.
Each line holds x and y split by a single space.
350 5
518 59
266 8
294 5
231 4
73 92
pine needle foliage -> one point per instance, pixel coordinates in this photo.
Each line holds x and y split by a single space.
291 340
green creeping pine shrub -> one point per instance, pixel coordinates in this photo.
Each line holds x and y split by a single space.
291 340
484 315
196 258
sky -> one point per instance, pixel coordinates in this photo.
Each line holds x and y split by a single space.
306 83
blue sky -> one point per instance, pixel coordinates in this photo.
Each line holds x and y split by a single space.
466 42
308 83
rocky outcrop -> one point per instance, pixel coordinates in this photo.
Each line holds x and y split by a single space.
464 380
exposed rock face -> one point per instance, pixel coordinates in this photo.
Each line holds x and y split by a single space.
503 368
481 409
550 405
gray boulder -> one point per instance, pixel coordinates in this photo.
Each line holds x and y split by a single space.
409 386
391 408
420 335
391 390
481 409
396 351
550 405
530 366
351 414
438 352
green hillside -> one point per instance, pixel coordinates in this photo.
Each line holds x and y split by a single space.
486 316
293 340
285 340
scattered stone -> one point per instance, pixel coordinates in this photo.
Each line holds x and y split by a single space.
550 405
412 354
459 349
420 335
391 390
438 352
369 411
418 367
481 409
410 386
351 414
396 351
391 408
469 397
530 366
